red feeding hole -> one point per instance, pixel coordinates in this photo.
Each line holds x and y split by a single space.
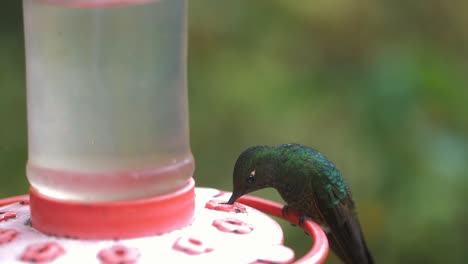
119 254
5 215
43 252
223 206
191 246
233 225
7 235
195 241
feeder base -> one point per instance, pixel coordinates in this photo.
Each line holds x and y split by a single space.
219 233
113 220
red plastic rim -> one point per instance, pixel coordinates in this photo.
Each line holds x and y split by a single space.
14 199
319 251
113 220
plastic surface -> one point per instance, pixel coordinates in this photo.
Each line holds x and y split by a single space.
113 220
107 98
198 243
319 250
110 186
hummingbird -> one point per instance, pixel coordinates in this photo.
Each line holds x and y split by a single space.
312 186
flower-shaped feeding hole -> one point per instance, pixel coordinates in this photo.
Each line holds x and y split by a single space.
5 215
7 235
191 246
233 225
119 254
43 252
223 206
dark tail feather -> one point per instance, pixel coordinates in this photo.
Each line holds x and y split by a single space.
350 246
354 257
370 259
336 248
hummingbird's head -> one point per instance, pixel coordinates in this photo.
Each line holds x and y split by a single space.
255 169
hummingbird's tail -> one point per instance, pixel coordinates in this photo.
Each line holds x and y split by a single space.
370 260
358 256
349 244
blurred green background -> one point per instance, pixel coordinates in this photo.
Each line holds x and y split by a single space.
380 87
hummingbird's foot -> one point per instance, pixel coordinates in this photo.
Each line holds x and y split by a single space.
302 219
285 210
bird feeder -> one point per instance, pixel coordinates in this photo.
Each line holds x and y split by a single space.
110 165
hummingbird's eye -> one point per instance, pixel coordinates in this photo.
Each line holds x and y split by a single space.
251 178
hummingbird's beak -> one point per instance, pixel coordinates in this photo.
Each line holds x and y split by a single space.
234 197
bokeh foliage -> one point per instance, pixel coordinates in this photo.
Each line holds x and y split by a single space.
378 86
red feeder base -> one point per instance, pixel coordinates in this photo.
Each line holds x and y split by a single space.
113 220
219 233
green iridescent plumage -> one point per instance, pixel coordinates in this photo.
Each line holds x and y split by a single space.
312 186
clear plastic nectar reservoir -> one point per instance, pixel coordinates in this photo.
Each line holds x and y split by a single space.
107 98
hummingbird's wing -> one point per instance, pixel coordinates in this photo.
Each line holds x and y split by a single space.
345 237
325 196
